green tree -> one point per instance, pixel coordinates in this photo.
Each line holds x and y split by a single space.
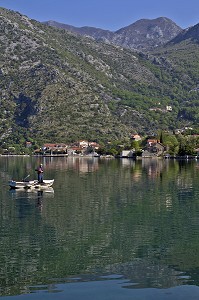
171 143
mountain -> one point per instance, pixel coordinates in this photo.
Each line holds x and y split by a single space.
142 35
147 34
96 33
191 33
58 86
183 53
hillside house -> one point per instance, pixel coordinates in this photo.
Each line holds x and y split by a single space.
94 145
168 108
136 137
152 142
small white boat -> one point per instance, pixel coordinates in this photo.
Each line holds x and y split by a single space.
32 184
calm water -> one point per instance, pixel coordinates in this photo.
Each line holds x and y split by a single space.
109 229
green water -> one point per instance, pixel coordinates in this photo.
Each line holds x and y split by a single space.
117 228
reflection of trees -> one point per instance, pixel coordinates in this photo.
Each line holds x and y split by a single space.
145 273
19 167
127 216
23 245
116 219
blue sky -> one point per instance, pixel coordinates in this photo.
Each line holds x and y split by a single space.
107 14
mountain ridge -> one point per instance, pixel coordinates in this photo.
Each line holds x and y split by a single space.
189 33
143 34
59 86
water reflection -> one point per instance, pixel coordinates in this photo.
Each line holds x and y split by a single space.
40 200
33 195
102 217
30 193
142 273
79 164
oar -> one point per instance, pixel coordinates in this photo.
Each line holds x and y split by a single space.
25 178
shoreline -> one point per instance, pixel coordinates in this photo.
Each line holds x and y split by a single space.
170 157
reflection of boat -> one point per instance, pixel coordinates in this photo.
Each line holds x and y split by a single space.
32 184
47 189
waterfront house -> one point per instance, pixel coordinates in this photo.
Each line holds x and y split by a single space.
83 144
153 147
127 153
54 148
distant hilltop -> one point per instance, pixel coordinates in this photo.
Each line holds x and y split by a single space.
142 35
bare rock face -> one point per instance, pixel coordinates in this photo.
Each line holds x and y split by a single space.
147 34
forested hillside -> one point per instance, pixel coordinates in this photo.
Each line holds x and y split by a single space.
58 87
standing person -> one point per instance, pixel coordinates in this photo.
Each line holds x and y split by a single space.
40 172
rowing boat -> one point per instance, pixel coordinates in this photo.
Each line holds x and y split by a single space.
32 184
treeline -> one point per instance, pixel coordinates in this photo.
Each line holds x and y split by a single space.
185 143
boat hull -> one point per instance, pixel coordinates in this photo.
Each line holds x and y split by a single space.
34 184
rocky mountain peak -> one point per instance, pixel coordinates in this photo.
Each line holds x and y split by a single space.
147 34
144 34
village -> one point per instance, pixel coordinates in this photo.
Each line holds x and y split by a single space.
152 148
180 143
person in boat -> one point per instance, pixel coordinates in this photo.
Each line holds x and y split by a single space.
40 172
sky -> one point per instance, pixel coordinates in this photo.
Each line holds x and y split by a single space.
106 14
